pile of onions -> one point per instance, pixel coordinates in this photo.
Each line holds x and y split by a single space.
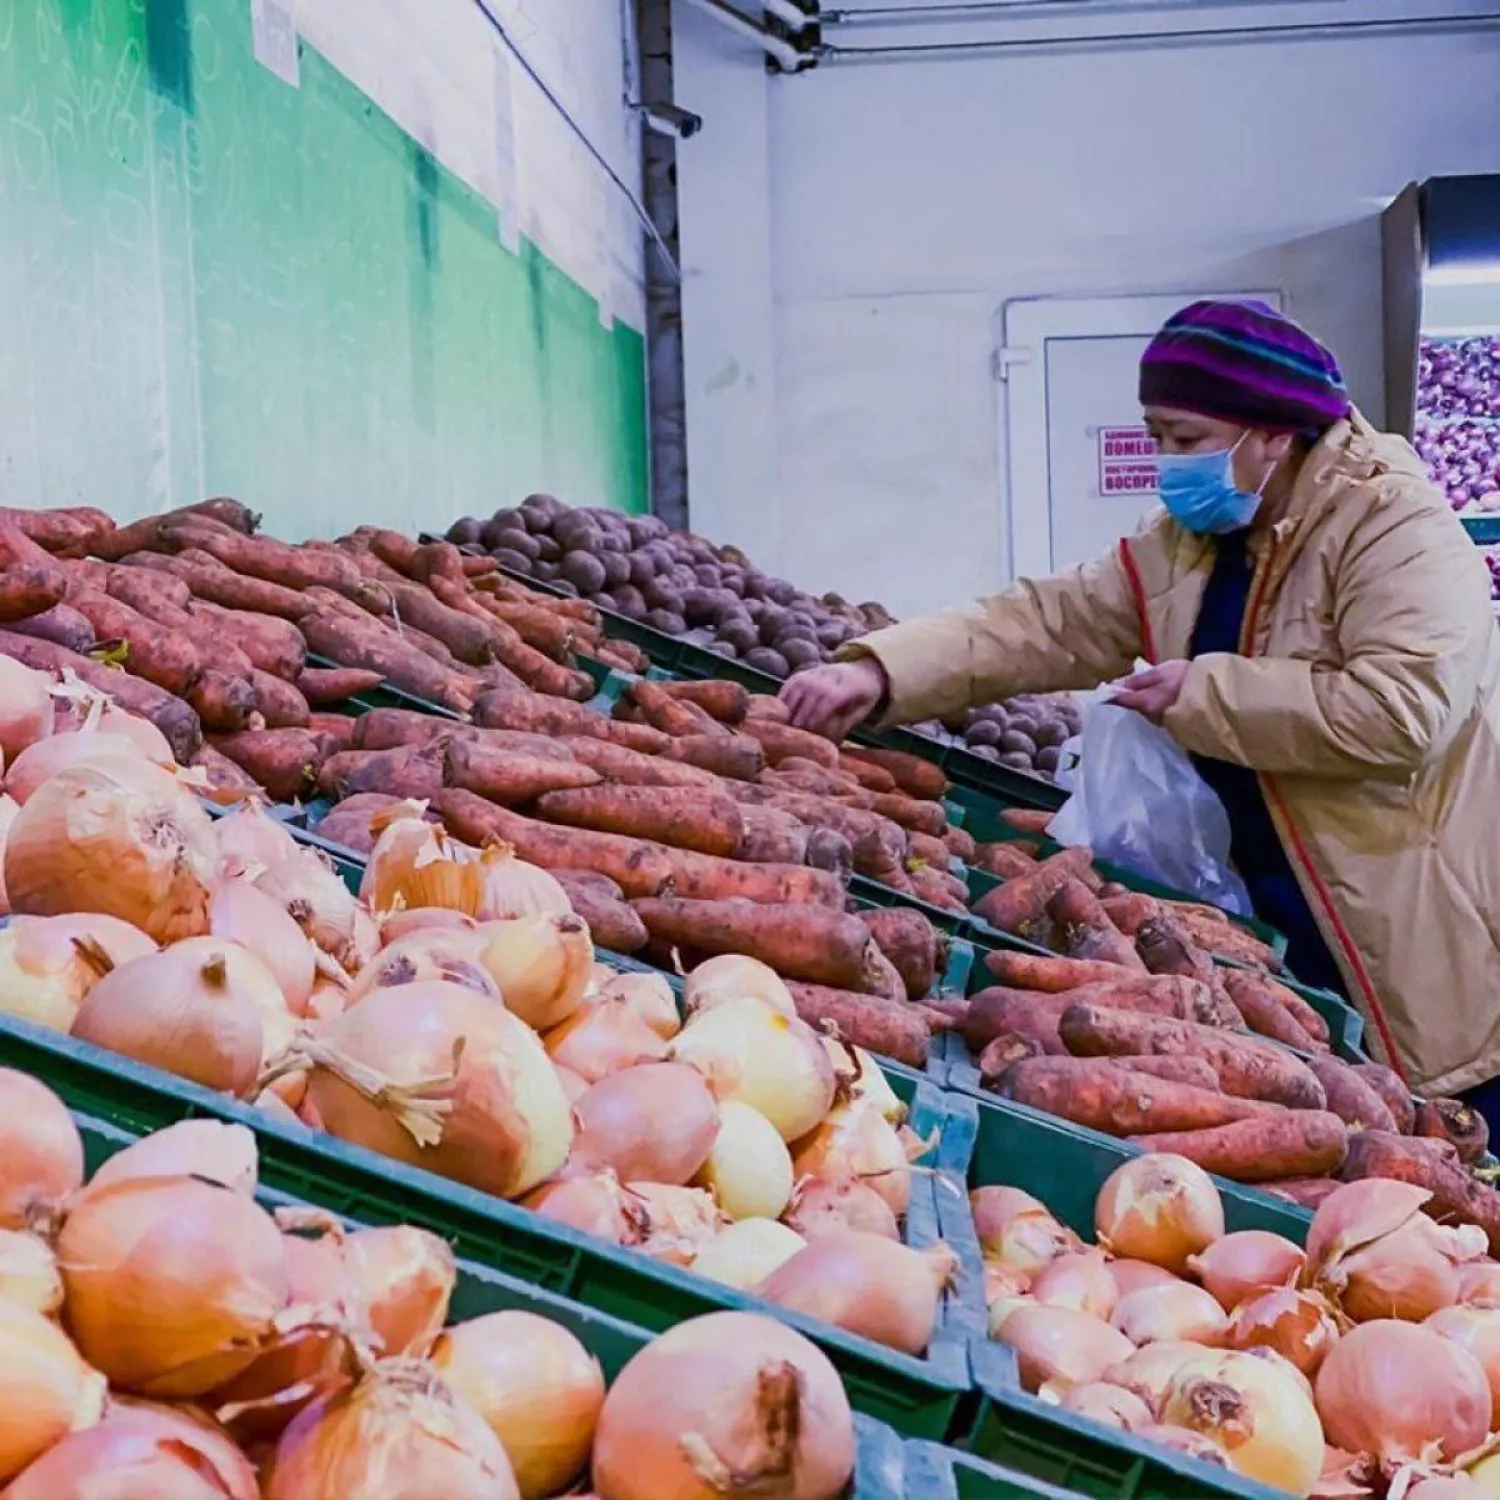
424 955
1177 1310
819 1208
46 1388
442 1078
210 1149
48 964
250 840
649 997
603 1038
751 1052
748 1169
744 1254
733 976
61 752
1080 1281
655 1123
1018 1231
1250 1260
538 1389
1299 1325
125 840
403 1278
1476 1329
250 918
41 1166
598 1205
857 1141
1060 1346
542 964
678 1221
1160 1208
725 1404
27 713
205 1009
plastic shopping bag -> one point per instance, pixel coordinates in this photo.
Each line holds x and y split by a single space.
1138 803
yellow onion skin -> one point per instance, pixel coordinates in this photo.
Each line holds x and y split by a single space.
431 953
249 840
1111 1404
1160 1208
404 1278
27 696
1149 1371
509 1126
48 964
1479 1284
39 762
1476 1329
1080 1281
1018 1230
398 1434
317 900
46 1389
1062 1346
745 1253
654 1123
41 1165
856 1140
541 965
536 1386
8 810
735 976
1297 1324
29 1276
172 1283
1182 1312
679 1221
598 1205
604 1038
748 1168
222 1153
765 1409
822 1208
183 1423
1245 1262
649 996
251 918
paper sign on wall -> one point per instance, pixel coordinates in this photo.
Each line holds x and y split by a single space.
1127 461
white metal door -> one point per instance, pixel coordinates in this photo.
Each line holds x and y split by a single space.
1080 467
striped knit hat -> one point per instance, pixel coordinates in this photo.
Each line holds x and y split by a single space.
1243 362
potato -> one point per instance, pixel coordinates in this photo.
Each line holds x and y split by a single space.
1015 743
1017 760
566 586
733 580
584 571
546 571
707 575
517 540
549 550
1023 724
766 660
517 562
536 520
700 607
642 568
464 531
616 569
741 635
983 732
779 591
724 649
667 621
1052 732
645 529
987 752
798 653
631 602
1047 759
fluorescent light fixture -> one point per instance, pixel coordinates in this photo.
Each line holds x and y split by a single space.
1464 273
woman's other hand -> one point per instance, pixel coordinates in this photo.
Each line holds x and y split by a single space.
1153 691
834 699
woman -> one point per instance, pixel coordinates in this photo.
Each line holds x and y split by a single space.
1322 644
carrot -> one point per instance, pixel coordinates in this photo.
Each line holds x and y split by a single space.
1299 1143
1191 1070
871 777
617 763
910 942
737 757
60 625
1298 1008
279 702
704 877
1165 948
1263 1012
1226 941
369 645
921 817
1020 905
795 775
273 645
1393 1093
767 706
508 776
1032 971
413 771
998 1055
150 651
27 590
222 781
1085 929
601 904
1096 1093
1456 1193
1171 995
779 741
212 582
1032 820
684 817
386 728
554 636
169 713
827 850
471 640
145 535
350 823
225 703
769 837
336 730
1349 1096
994 1012
535 713
960 843
887 842
673 716
67 530
143 589
276 562
639 867
1247 1067
725 701
914 776
799 942
1004 861
285 762
1131 911
1305 1192
325 686
888 1028
1449 1120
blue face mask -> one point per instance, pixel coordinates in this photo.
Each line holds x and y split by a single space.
1199 491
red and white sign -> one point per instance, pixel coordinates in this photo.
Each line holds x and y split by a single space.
1127 461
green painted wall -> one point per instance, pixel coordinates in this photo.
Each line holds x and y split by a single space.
213 283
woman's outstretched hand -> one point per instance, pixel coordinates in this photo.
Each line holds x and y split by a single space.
834 699
1153 691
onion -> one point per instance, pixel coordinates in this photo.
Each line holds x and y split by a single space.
434 953
62 752
866 1081
1003 1284
1374 1252
173 1284
1250 1260
596 1205
744 1254
821 1208
251 918
1159 1208
404 1276
749 1169
655 1123
1479 1283
1476 1329
48 964
142 733
541 964
399 1426
27 713
28 1272
384 1076
306 884
211 1149
364 940
572 1085
679 1221
1017 1230
1101 1402
1265 1424
725 1404
187 1424
1131 1275
1298 1325
1402 1392
1149 1371
604 1038
41 1152
734 976
249 840
205 1009
46 1389
536 1386
1178 1312
1062 1347
752 1053
85 842
1446 1487
402 924
857 1141
1486 1474
9 807
1080 1281
650 997
868 1285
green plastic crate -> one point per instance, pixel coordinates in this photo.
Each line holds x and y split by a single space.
919 1397
1065 1166
880 1457
960 1476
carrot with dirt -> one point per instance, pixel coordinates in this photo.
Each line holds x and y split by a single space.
1020 905
617 763
1085 929
1131 911
780 741
1305 1192
277 562
1297 1143
370 646
705 877
673 716
1226 941
908 812
325 686
910 942
150 651
1349 1096
1247 1067
222 781
1452 1121
871 777
1004 861
1393 1092
916 777
639 867
796 775
213 583
960 844
534 713
145 535
799 942
933 887
1299 1009
278 701
768 706
1165 948
1035 971
286 762
683 817
1100 1095
1191 1070
272 645
602 905
336 730
412 772
736 757
1263 1011
67 531
1000 1053
888 842
351 823
514 777
60 625
887 1028
769 837
1029 820
994 1012
27 591
225 703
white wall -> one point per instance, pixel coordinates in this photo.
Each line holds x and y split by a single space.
910 200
